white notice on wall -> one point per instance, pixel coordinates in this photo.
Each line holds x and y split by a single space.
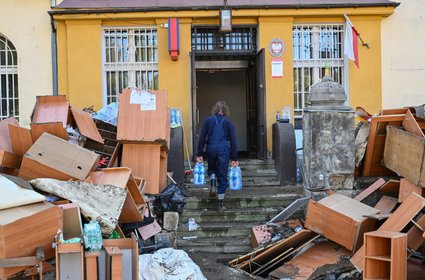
139 97
277 68
149 105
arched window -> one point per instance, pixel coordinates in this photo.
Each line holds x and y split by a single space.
9 103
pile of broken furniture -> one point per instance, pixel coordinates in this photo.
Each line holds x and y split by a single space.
68 169
377 234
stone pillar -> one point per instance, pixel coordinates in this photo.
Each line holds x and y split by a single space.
328 139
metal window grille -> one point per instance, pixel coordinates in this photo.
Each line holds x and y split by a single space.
315 49
9 102
130 59
242 39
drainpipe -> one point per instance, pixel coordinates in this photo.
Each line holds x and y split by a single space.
54 56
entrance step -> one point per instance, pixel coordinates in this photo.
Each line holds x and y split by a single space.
226 245
250 198
228 232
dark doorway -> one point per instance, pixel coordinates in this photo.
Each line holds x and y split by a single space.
240 83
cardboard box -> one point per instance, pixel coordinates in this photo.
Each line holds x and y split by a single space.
404 154
52 157
24 228
340 219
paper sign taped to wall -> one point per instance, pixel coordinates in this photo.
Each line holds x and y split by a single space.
150 104
139 97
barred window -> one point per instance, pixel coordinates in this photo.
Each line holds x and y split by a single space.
316 50
130 59
9 102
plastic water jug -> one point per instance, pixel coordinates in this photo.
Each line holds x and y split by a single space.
199 174
92 236
235 178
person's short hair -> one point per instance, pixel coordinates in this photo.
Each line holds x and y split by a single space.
222 107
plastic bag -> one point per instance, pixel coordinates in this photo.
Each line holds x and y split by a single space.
235 178
170 199
199 174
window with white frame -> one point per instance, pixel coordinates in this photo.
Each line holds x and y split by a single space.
9 102
317 50
130 59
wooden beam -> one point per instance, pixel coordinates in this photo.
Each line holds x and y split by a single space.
114 263
406 188
91 265
369 190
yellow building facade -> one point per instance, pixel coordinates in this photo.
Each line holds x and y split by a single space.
239 67
25 56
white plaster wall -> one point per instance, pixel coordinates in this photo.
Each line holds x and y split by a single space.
403 55
27 25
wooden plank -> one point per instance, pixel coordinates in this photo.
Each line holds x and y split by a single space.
9 159
21 139
392 186
369 190
114 262
91 265
386 204
405 153
51 109
302 266
396 111
276 249
137 125
396 222
57 159
53 128
119 177
407 187
415 237
23 261
279 259
5 143
410 125
86 125
375 145
340 219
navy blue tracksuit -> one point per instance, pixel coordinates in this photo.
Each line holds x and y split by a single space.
217 131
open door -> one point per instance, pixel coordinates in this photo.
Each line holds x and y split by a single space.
195 119
261 104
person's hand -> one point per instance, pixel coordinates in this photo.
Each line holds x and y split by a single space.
199 159
235 163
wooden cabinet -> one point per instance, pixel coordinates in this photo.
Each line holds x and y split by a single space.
147 161
385 255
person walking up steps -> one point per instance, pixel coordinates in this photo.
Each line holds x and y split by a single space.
217 132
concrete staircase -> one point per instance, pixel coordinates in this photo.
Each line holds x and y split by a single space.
261 199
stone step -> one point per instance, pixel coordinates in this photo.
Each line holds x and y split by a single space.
251 215
219 229
225 245
243 200
252 183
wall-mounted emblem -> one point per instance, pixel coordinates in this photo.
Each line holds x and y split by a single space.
276 47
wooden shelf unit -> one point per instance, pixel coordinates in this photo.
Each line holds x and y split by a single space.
148 161
385 255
